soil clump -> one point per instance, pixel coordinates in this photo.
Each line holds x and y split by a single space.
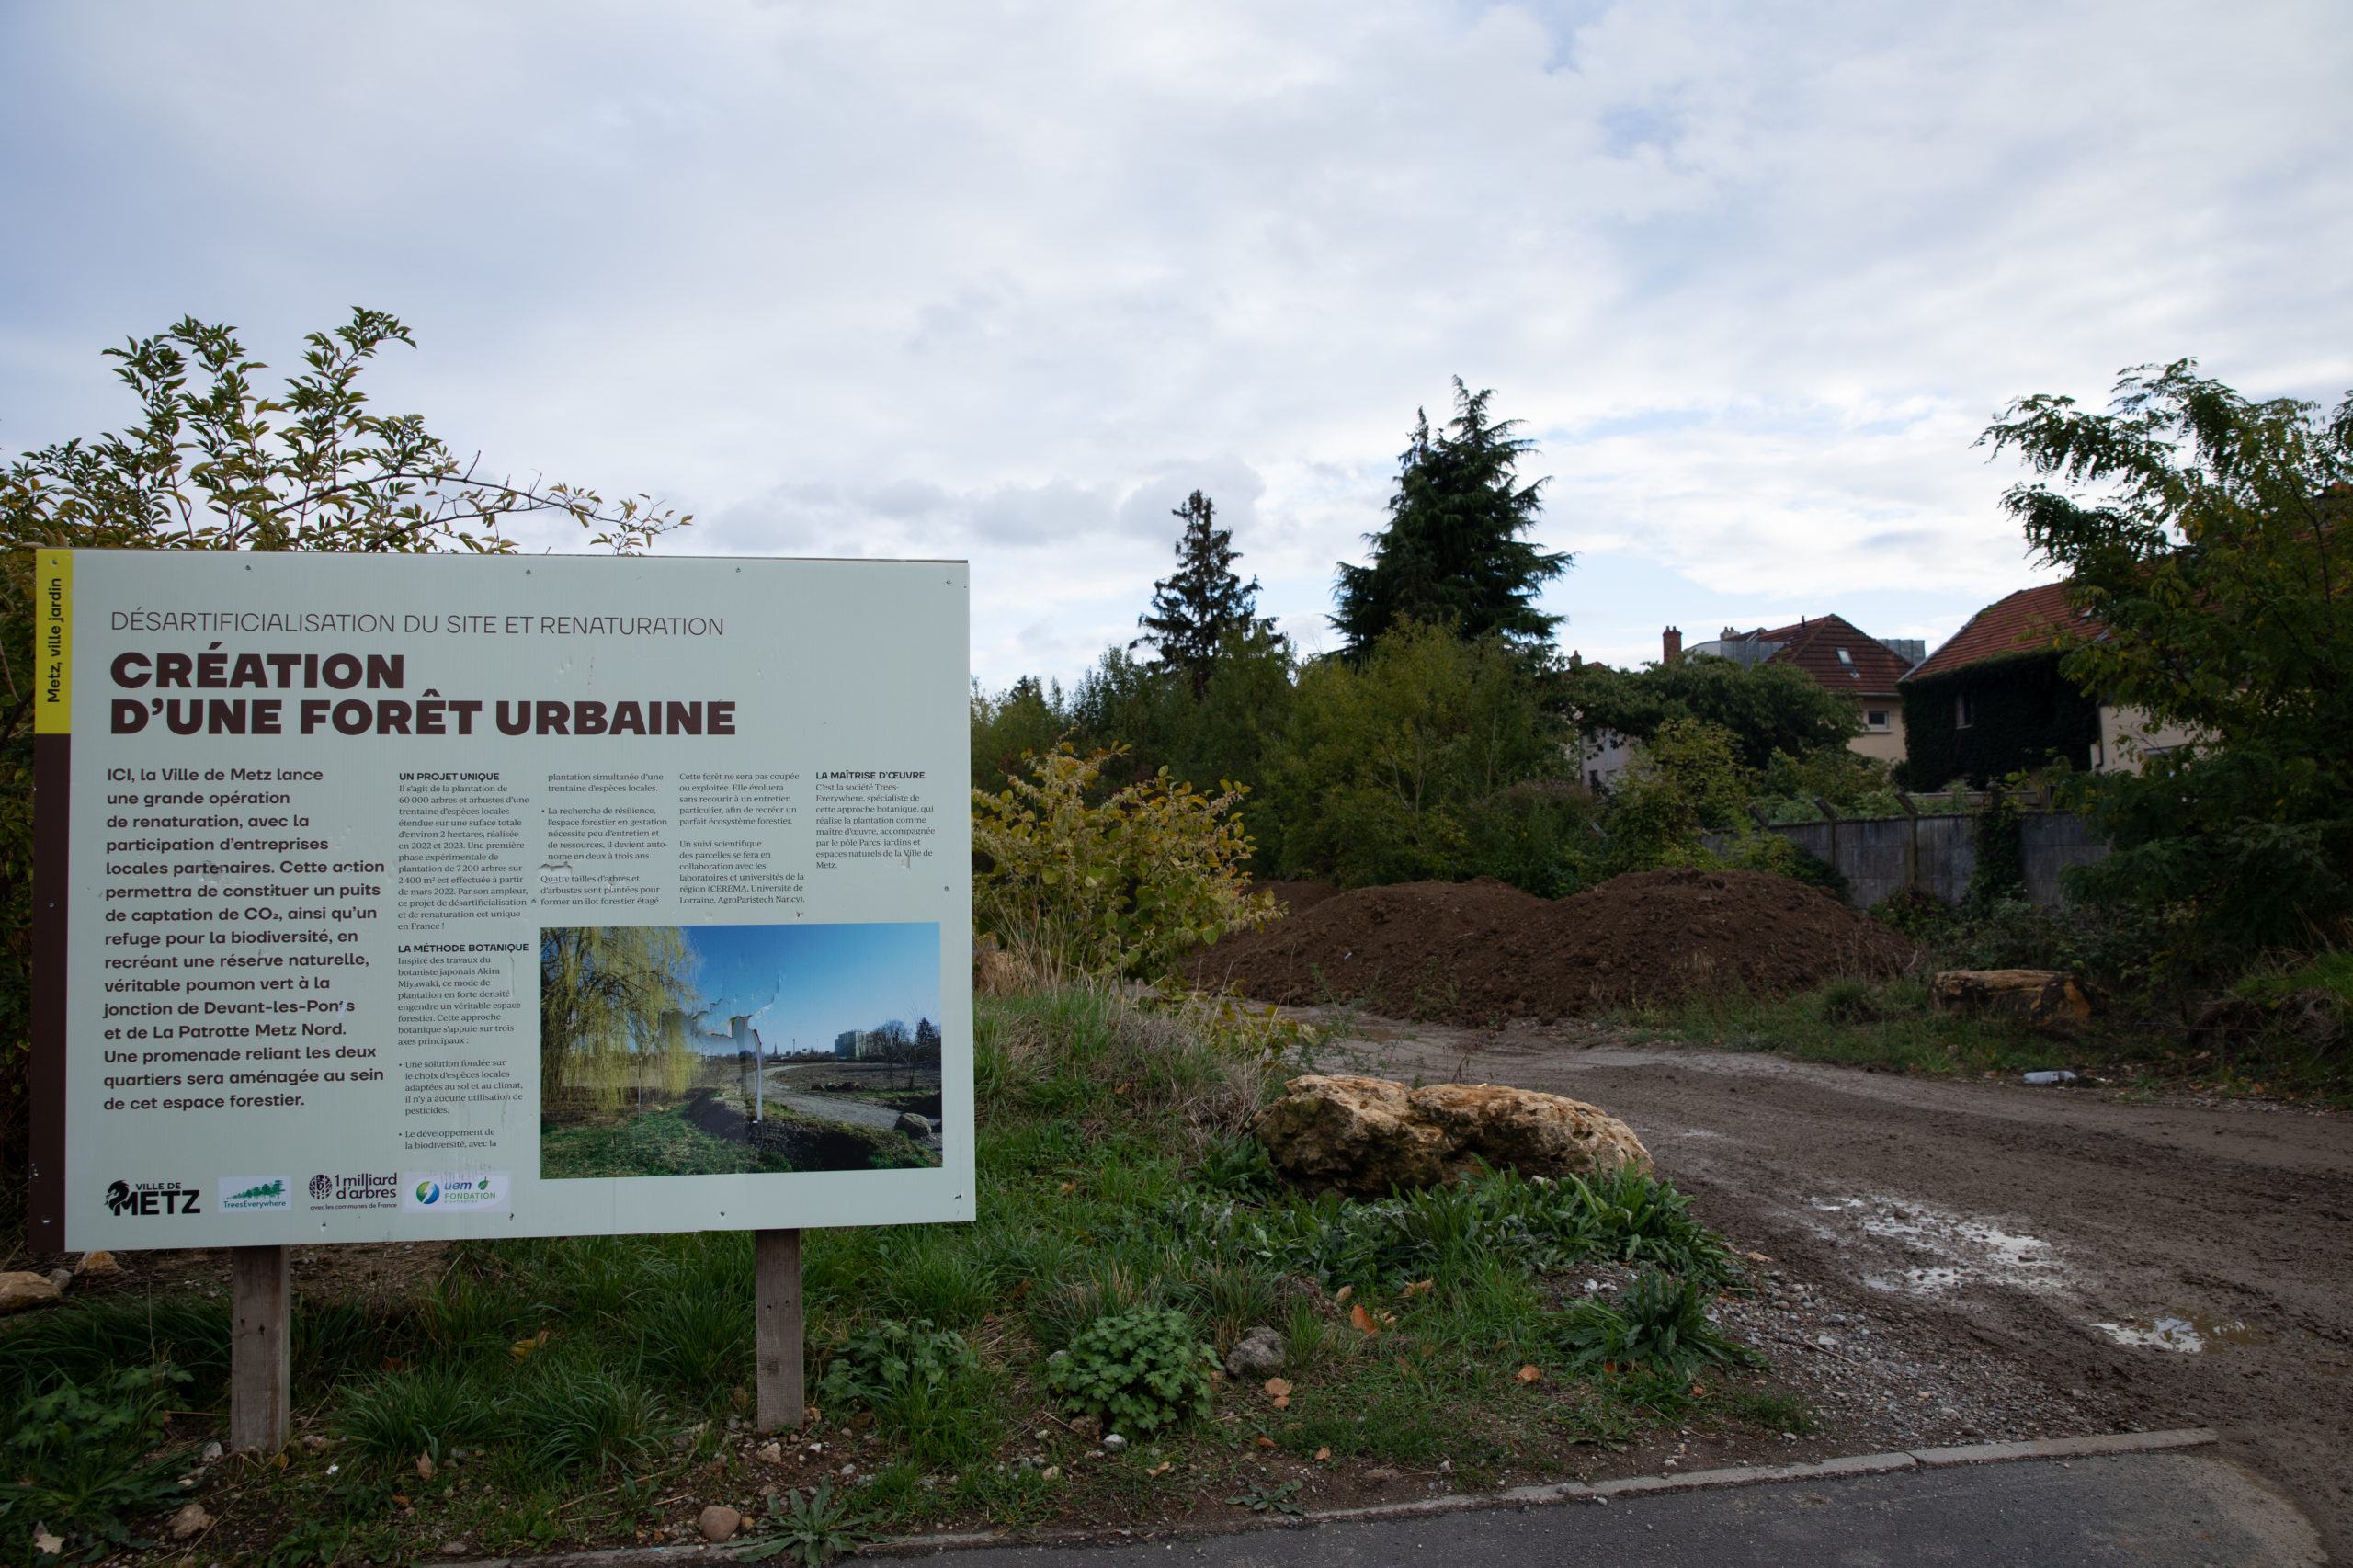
1482 951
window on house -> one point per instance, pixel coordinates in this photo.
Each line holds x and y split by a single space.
1874 718
1845 658
1961 715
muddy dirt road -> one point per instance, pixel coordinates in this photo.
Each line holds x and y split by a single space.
2135 1265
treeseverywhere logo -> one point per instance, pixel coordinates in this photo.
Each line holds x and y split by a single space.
245 1194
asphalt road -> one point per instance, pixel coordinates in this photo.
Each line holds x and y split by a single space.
2160 1265
2147 1510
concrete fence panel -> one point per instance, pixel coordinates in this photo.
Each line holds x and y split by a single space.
1937 854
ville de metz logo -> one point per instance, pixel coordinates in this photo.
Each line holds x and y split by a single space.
154 1198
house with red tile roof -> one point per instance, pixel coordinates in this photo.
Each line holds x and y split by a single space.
1991 700
1862 668
1841 659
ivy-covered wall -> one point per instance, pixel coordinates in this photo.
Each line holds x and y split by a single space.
2021 710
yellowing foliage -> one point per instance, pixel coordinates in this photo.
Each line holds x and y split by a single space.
1122 886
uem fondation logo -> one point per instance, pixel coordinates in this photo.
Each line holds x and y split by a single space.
438 1191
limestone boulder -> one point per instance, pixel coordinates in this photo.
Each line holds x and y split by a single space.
23 1289
1365 1136
2045 998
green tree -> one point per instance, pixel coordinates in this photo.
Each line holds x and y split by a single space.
1686 781
1391 762
2204 533
1196 610
1766 708
1452 552
216 464
614 1003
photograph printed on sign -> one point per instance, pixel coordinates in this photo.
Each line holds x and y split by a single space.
717 1050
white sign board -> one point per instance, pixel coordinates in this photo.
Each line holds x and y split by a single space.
401 897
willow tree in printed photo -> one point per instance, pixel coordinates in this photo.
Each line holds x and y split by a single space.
614 1004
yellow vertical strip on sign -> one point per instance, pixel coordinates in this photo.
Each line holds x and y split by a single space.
54 643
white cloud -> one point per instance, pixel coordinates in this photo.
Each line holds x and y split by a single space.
1006 281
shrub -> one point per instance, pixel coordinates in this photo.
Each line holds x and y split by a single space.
401 1414
890 1357
76 1460
1119 887
700 1341
1140 1371
570 1416
1659 1323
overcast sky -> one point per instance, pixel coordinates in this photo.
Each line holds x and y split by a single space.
1005 281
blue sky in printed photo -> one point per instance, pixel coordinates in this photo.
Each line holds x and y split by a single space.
802 985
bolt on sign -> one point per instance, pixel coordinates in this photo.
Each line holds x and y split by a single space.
407 897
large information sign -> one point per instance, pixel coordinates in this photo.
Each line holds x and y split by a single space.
397 897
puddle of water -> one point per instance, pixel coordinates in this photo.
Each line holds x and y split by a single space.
2188 1334
1960 1250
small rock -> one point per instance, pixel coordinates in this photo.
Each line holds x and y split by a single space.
772 1453
2061 1076
719 1522
188 1521
914 1126
734 1424
1258 1352
453 1548
1114 1442
61 1278
319 1445
1051 1473
211 1454
19 1290
1380 1472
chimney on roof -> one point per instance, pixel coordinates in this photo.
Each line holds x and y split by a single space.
1672 642
1731 634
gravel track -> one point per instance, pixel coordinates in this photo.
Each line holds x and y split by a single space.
1987 1259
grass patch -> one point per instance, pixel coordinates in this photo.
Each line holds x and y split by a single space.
2144 1048
570 1393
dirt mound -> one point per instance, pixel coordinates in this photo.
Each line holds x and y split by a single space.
1298 897
1481 952
1396 947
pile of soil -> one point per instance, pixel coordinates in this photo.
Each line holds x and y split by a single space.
1298 897
1481 952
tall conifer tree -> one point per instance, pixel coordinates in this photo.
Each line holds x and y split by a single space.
1453 551
1194 611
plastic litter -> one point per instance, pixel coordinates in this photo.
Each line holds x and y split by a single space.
2061 1076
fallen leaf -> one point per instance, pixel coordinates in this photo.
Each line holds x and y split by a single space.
1756 1257
1278 1386
1419 1288
1121 1089
1531 1374
1265 1442
1699 1391
425 1466
1345 1291
48 1545
1322 1453
1069 1186
399 1499
1363 1322
1160 1469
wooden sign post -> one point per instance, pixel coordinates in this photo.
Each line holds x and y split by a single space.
783 1402
261 1348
